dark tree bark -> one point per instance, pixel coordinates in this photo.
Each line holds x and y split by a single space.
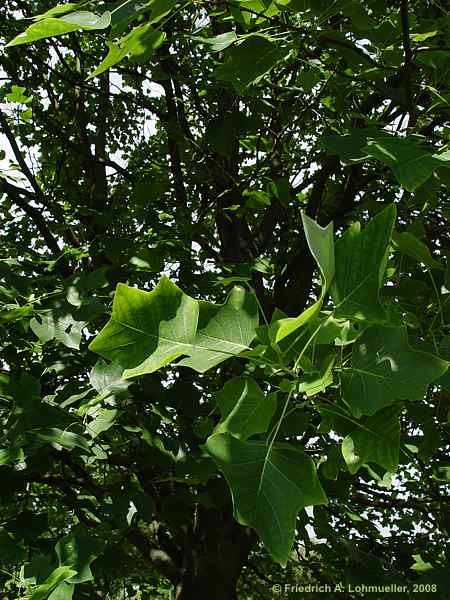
218 549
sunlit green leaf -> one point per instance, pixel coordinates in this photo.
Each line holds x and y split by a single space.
107 379
223 330
51 26
320 242
64 591
318 382
420 565
104 419
138 45
57 11
218 42
148 330
17 94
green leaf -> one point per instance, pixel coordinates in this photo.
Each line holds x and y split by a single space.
61 327
79 550
124 505
334 463
218 42
385 368
5 456
139 45
221 134
444 352
26 115
44 329
244 408
51 27
38 569
57 11
10 455
376 439
80 285
249 62
411 164
161 8
107 379
17 94
447 271
148 330
42 30
349 147
223 330
64 591
269 487
421 37
408 244
316 383
149 260
361 258
13 312
329 330
26 393
104 420
88 20
420 565
320 242
434 59
58 576
66 439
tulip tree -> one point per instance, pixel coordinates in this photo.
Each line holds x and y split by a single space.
224 299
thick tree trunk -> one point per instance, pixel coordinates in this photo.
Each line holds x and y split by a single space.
213 563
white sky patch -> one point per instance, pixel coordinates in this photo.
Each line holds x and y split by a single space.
149 126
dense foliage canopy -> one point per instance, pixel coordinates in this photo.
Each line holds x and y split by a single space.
224 299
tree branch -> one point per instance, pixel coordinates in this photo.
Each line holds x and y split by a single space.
404 17
408 67
18 154
18 195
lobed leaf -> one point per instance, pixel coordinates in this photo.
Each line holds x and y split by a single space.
269 486
361 258
385 369
148 330
376 439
